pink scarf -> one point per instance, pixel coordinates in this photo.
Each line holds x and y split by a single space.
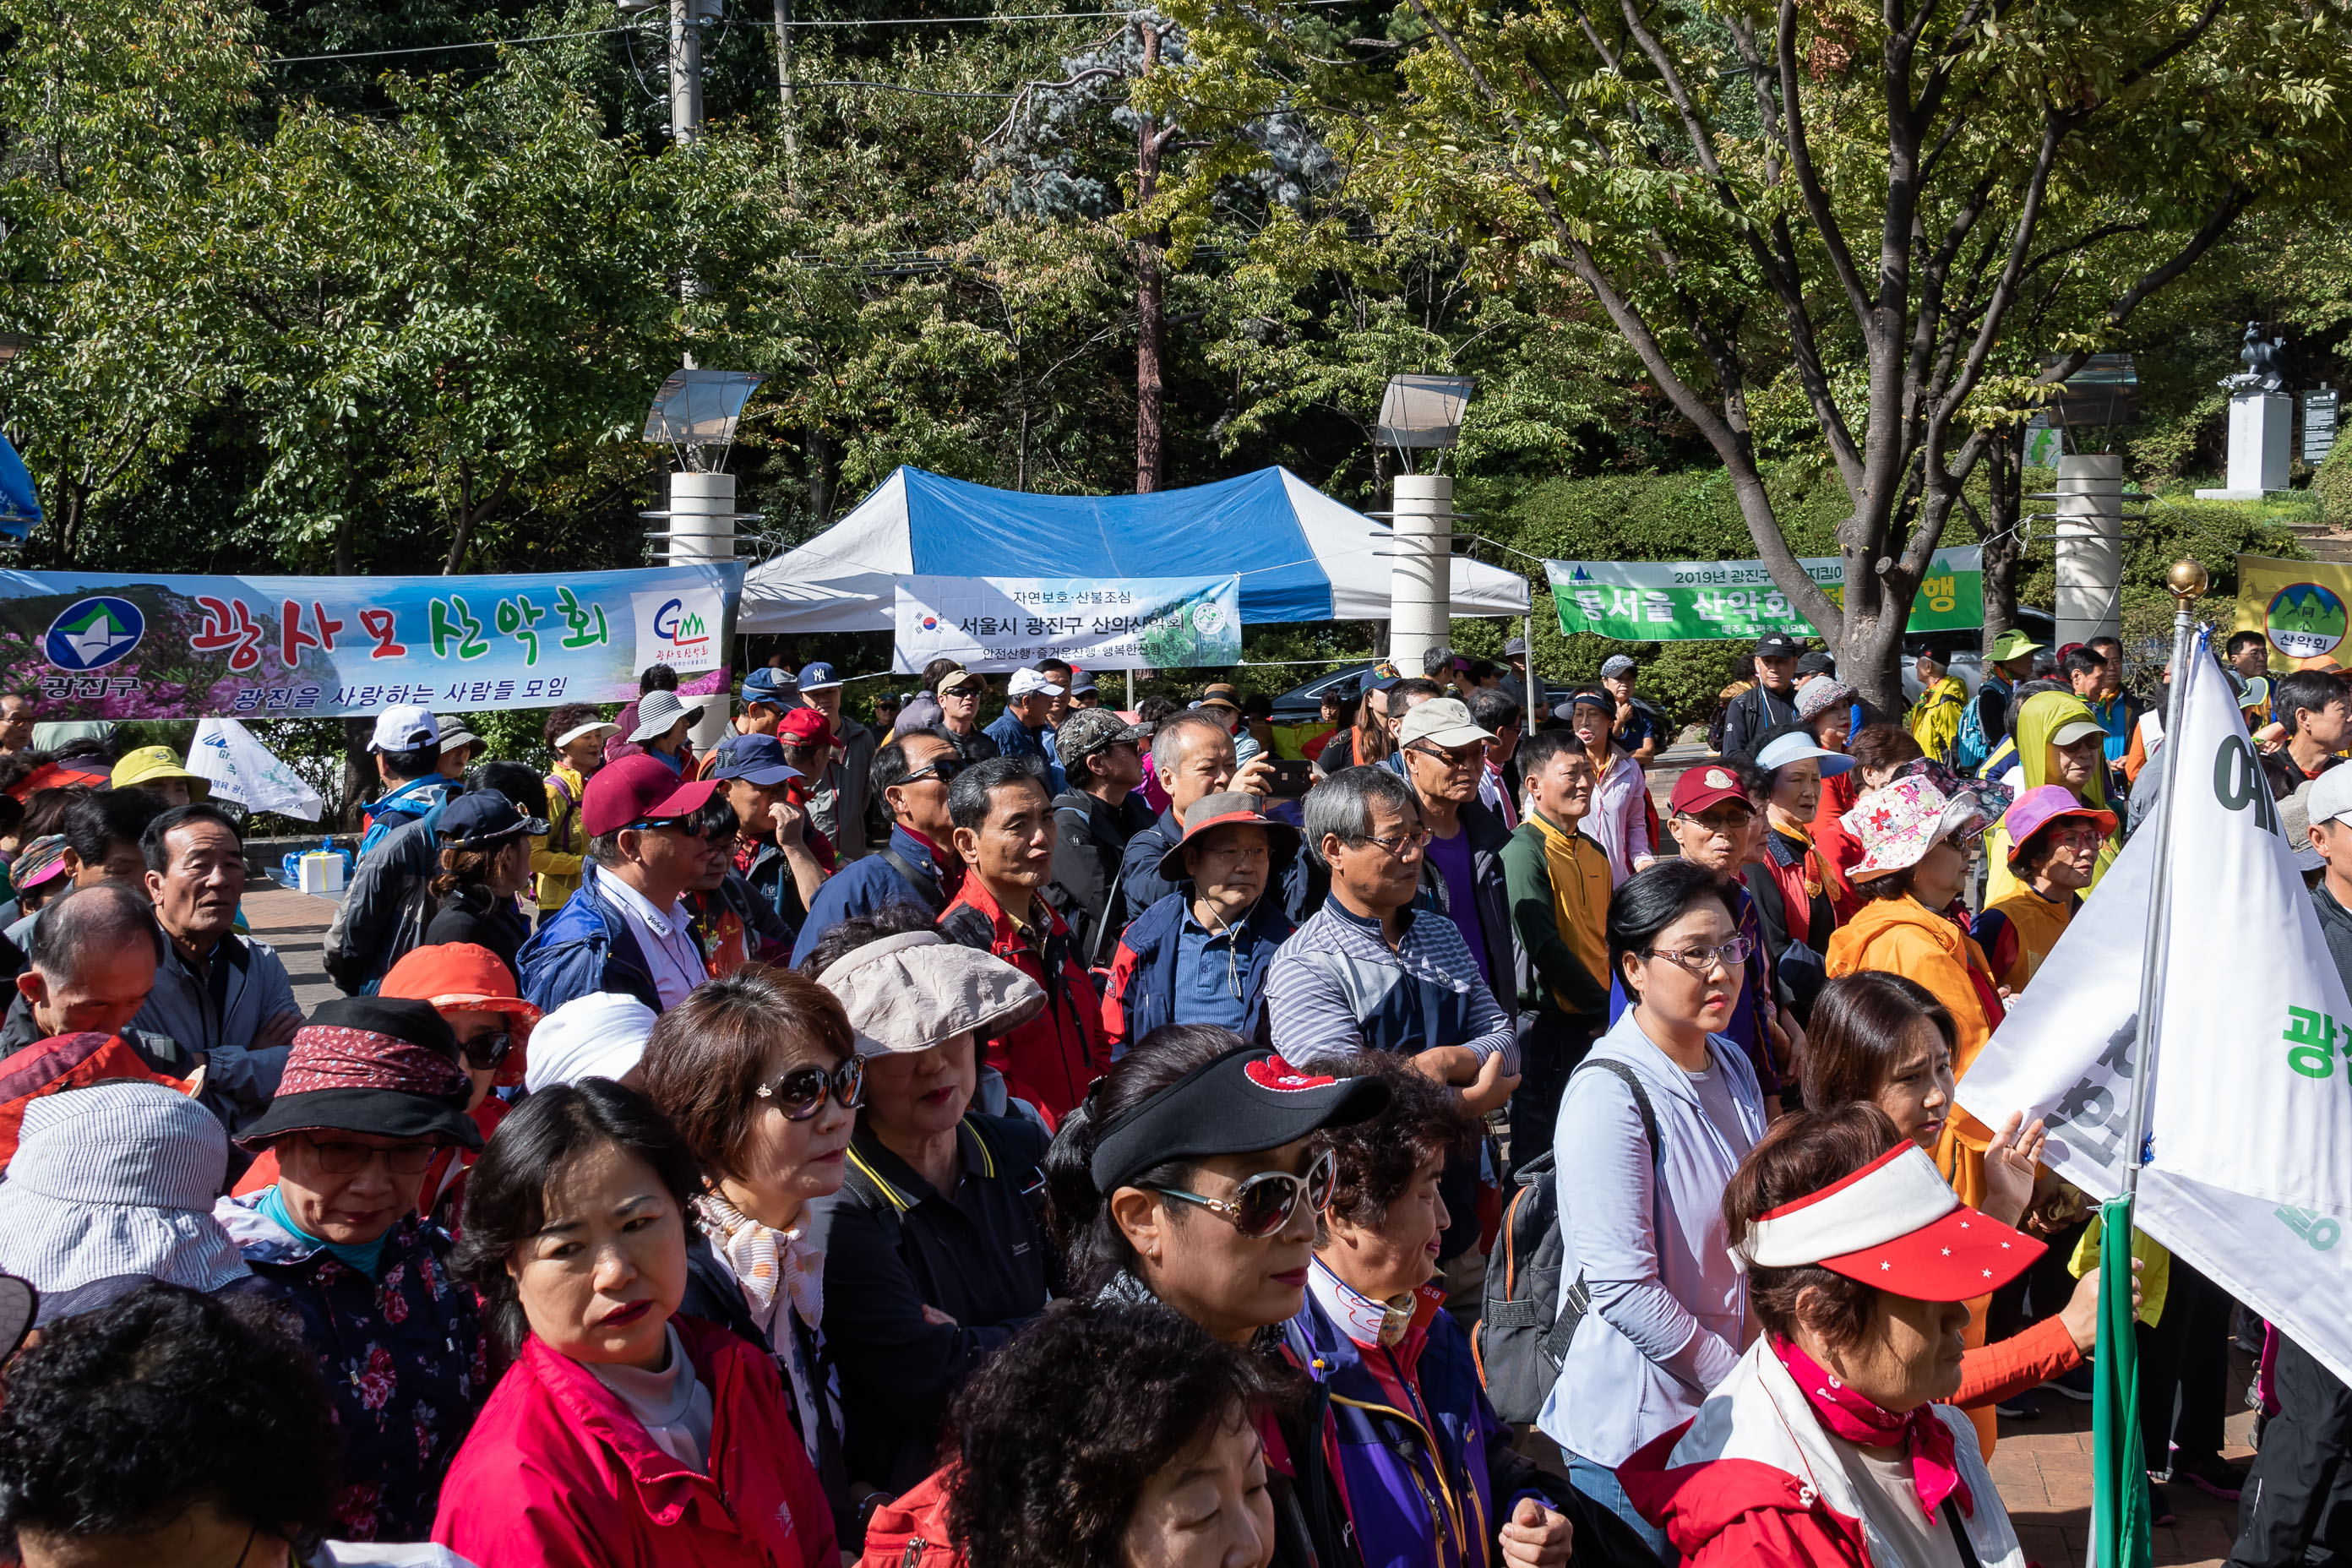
1849 1414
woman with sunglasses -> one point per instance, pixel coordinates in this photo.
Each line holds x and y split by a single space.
1190 1178
1653 1125
759 1073
475 995
1917 839
372 1092
934 1237
622 1433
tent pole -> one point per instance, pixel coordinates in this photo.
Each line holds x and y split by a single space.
1131 689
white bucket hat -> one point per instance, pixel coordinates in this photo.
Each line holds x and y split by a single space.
914 991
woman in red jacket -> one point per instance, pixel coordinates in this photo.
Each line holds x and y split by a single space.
1827 1447
621 1434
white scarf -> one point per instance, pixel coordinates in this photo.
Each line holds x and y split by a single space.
775 1269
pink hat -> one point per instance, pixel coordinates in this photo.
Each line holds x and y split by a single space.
1899 823
2040 806
1895 1223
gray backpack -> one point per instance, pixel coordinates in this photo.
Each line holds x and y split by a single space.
1526 1326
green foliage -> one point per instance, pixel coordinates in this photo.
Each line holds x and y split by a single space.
2331 487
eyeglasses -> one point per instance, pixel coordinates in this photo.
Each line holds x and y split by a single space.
1458 757
1720 825
486 1051
349 1158
2077 838
1397 844
1701 961
800 1092
944 770
1264 1203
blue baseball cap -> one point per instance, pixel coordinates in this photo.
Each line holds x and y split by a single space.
481 816
756 759
818 677
772 687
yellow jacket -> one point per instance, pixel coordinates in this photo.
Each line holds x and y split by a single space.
1935 719
555 859
2042 716
1902 936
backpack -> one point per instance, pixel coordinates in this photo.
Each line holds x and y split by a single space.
911 1530
1972 745
1524 1333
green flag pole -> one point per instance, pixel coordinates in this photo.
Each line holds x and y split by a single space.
2119 1502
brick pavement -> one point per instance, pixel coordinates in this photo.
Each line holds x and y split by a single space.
2044 1469
296 925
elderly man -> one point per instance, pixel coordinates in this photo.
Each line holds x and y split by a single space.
1003 822
919 865
218 992
1093 821
1201 954
1192 753
93 965
1461 866
1370 972
651 837
1771 701
1021 730
16 723
838 799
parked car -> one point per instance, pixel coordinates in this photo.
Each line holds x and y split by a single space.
1966 649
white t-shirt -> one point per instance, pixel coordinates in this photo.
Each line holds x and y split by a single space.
1714 1101
1890 1503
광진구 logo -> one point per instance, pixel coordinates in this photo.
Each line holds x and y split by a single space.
92 633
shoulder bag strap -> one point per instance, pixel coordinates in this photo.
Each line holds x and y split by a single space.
925 886
1577 1299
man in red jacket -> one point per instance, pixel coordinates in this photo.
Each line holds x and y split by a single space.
1004 830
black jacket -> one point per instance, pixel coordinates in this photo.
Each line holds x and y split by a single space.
1752 716
893 1244
474 914
386 908
713 1295
1089 840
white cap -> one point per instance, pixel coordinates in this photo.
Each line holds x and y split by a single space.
1025 682
403 727
601 1035
2330 799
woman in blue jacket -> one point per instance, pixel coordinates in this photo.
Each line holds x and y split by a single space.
1424 1467
1201 954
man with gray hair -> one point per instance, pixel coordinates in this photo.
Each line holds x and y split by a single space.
1369 971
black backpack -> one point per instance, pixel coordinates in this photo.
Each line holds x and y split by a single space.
1523 1331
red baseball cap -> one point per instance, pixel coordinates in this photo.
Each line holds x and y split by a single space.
639 789
1897 1224
1709 783
805 727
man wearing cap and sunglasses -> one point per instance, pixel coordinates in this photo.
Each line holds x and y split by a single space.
651 837
918 865
1771 702
959 692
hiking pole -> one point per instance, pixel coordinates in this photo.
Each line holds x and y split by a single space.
2186 581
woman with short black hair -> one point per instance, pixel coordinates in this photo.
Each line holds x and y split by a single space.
1650 1130
621 1433
1104 1436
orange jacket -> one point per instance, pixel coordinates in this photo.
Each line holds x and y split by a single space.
1902 936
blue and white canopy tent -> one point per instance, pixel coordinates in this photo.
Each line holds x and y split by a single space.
1301 555
20 504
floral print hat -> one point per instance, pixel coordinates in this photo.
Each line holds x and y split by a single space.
1899 823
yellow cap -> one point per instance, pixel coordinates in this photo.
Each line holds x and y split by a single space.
153 764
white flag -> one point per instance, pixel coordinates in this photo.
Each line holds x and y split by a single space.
244 770
2251 1145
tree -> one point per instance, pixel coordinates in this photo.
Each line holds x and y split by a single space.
1850 201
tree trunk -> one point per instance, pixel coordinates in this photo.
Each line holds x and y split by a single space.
2004 547
1150 299
789 115
1868 656
820 482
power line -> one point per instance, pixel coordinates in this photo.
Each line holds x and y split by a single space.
601 32
917 92
436 48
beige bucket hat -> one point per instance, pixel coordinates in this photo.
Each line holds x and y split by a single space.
913 991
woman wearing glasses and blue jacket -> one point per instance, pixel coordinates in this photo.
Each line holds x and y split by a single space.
1652 1126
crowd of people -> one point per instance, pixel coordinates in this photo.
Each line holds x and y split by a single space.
1089 1136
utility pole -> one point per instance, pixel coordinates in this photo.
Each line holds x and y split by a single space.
784 86
686 18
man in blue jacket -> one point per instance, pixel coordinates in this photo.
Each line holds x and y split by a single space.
918 865
651 837
1026 727
407 747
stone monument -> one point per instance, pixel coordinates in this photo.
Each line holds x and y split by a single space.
2262 421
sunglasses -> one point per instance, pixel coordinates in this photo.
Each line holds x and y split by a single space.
711 821
800 1092
944 770
344 1159
487 1051
1264 1203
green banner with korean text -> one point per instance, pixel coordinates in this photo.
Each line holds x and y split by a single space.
1700 601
